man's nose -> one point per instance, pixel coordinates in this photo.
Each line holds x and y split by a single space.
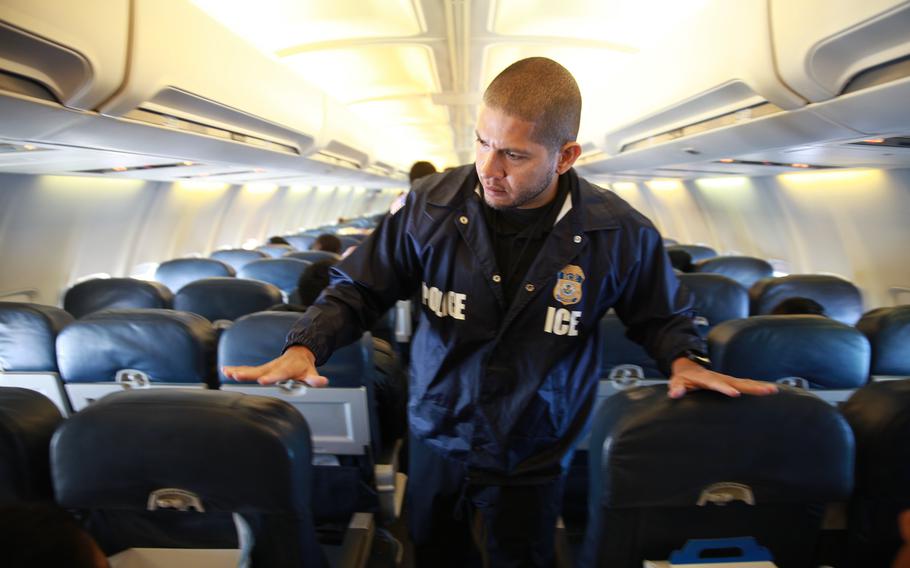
488 166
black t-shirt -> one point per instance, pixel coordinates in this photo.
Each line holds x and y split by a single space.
518 235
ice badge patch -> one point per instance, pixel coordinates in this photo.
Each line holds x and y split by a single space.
568 285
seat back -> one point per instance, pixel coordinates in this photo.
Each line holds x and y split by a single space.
664 471
717 299
825 353
27 422
169 468
112 293
237 258
226 298
313 255
28 352
349 241
888 331
115 350
282 272
746 270
177 273
879 414
302 241
275 250
698 253
618 350
341 416
841 299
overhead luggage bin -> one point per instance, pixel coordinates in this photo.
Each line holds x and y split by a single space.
820 45
75 50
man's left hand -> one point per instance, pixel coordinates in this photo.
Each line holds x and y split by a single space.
689 375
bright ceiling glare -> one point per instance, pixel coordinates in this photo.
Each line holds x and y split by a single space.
726 160
624 186
721 182
825 180
201 185
261 187
664 184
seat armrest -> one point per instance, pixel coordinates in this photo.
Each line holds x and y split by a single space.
358 541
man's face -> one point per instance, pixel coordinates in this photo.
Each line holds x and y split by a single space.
514 170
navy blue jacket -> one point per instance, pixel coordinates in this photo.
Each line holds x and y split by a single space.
506 389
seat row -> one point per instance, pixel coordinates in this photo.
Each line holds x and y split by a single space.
178 469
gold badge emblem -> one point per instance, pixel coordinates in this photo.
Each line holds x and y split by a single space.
568 285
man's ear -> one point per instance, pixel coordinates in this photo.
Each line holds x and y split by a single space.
567 156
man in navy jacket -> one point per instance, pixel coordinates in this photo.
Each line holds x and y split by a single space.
516 259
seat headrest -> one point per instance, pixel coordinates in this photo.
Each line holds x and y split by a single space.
282 272
166 345
275 250
28 335
113 293
841 299
717 298
313 255
744 269
888 330
300 242
237 453
226 298
258 338
827 353
879 414
237 257
680 260
617 349
27 422
789 447
697 252
177 273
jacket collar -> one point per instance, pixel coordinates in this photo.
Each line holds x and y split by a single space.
587 205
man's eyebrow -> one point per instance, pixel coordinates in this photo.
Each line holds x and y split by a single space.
510 150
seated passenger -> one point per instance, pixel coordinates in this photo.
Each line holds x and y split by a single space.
276 240
327 242
798 305
38 534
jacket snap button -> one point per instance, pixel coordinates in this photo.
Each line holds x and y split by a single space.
463 220
497 278
577 238
529 287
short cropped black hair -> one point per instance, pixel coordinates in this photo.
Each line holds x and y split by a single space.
541 91
327 242
313 280
798 305
421 169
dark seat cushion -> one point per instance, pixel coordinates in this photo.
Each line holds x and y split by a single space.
112 293
177 273
841 299
28 335
226 298
888 330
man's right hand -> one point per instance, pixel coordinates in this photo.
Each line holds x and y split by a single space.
297 364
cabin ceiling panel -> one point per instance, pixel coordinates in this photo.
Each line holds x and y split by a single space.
274 25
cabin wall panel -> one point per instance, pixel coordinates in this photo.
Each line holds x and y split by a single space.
55 230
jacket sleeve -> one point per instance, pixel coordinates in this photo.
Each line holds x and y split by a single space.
656 309
362 287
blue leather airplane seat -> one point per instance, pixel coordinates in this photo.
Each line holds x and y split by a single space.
237 258
746 270
697 252
28 336
27 422
257 338
282 272
166 345
879 414
668 242
177 273
717 299
617 349
113 293
888 330
169 468
302 241
841 300
825 353
275 250
226 298
664 471
313 255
